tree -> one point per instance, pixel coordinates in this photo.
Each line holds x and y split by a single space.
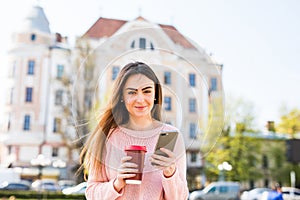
84 88
233 146
80 91
290 123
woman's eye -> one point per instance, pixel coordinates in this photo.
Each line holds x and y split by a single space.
131 92
147 91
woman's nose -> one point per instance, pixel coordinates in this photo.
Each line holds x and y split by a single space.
140 98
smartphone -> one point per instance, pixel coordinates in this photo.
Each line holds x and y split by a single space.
166 140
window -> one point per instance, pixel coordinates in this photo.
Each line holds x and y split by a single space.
54 152
167 78
192 80
192 105
265 163
142 43
213 84
28 97
151 46
56 125
30 70
168 103
59 71
10 149
132 44
193 131
26 126
193 156
88 99
8 122
33 37
212 190
115 72
223 189
58 97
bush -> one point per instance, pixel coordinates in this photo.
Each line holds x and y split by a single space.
39 195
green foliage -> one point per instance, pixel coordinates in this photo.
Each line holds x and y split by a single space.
290 123
39 195
238 150
251 158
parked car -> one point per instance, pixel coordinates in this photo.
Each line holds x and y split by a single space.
14 186
66 184
77 189
254 194
217 191
45 185
290 193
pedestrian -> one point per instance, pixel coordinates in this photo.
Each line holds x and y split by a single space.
133 117
274 194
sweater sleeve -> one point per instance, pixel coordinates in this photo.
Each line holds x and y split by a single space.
101 188
175 187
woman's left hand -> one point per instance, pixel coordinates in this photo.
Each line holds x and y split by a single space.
167 164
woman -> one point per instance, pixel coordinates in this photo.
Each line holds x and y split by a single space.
133 118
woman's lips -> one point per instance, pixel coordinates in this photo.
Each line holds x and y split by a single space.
140 107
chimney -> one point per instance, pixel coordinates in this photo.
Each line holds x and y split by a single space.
270 126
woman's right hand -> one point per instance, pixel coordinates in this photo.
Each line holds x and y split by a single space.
126 170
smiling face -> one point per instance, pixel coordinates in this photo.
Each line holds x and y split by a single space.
138 96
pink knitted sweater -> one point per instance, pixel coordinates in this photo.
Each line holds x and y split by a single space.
154 185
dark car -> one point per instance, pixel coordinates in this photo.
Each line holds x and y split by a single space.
14 186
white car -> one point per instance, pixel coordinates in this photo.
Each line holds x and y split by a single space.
77 189
254 194
217 191
45 185
290 193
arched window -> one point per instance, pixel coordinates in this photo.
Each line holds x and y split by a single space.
142 43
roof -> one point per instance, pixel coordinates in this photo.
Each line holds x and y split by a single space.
105 27
36 20
176 36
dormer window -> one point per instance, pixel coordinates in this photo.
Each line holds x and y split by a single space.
132 44
142 43
151 46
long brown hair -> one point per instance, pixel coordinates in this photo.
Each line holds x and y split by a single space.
115 114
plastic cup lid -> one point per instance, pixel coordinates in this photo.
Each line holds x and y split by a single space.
136 148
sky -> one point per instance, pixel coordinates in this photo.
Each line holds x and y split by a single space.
257 41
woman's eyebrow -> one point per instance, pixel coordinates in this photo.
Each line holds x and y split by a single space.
149 87
132 89
145 88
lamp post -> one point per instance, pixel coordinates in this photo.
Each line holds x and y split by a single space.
225 166
40 161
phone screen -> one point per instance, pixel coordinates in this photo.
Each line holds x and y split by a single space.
166 140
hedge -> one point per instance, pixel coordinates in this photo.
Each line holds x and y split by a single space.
39 195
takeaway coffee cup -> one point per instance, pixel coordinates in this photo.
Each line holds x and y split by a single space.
138 157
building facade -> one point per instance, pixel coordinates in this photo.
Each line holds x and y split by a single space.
43 67
38 63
